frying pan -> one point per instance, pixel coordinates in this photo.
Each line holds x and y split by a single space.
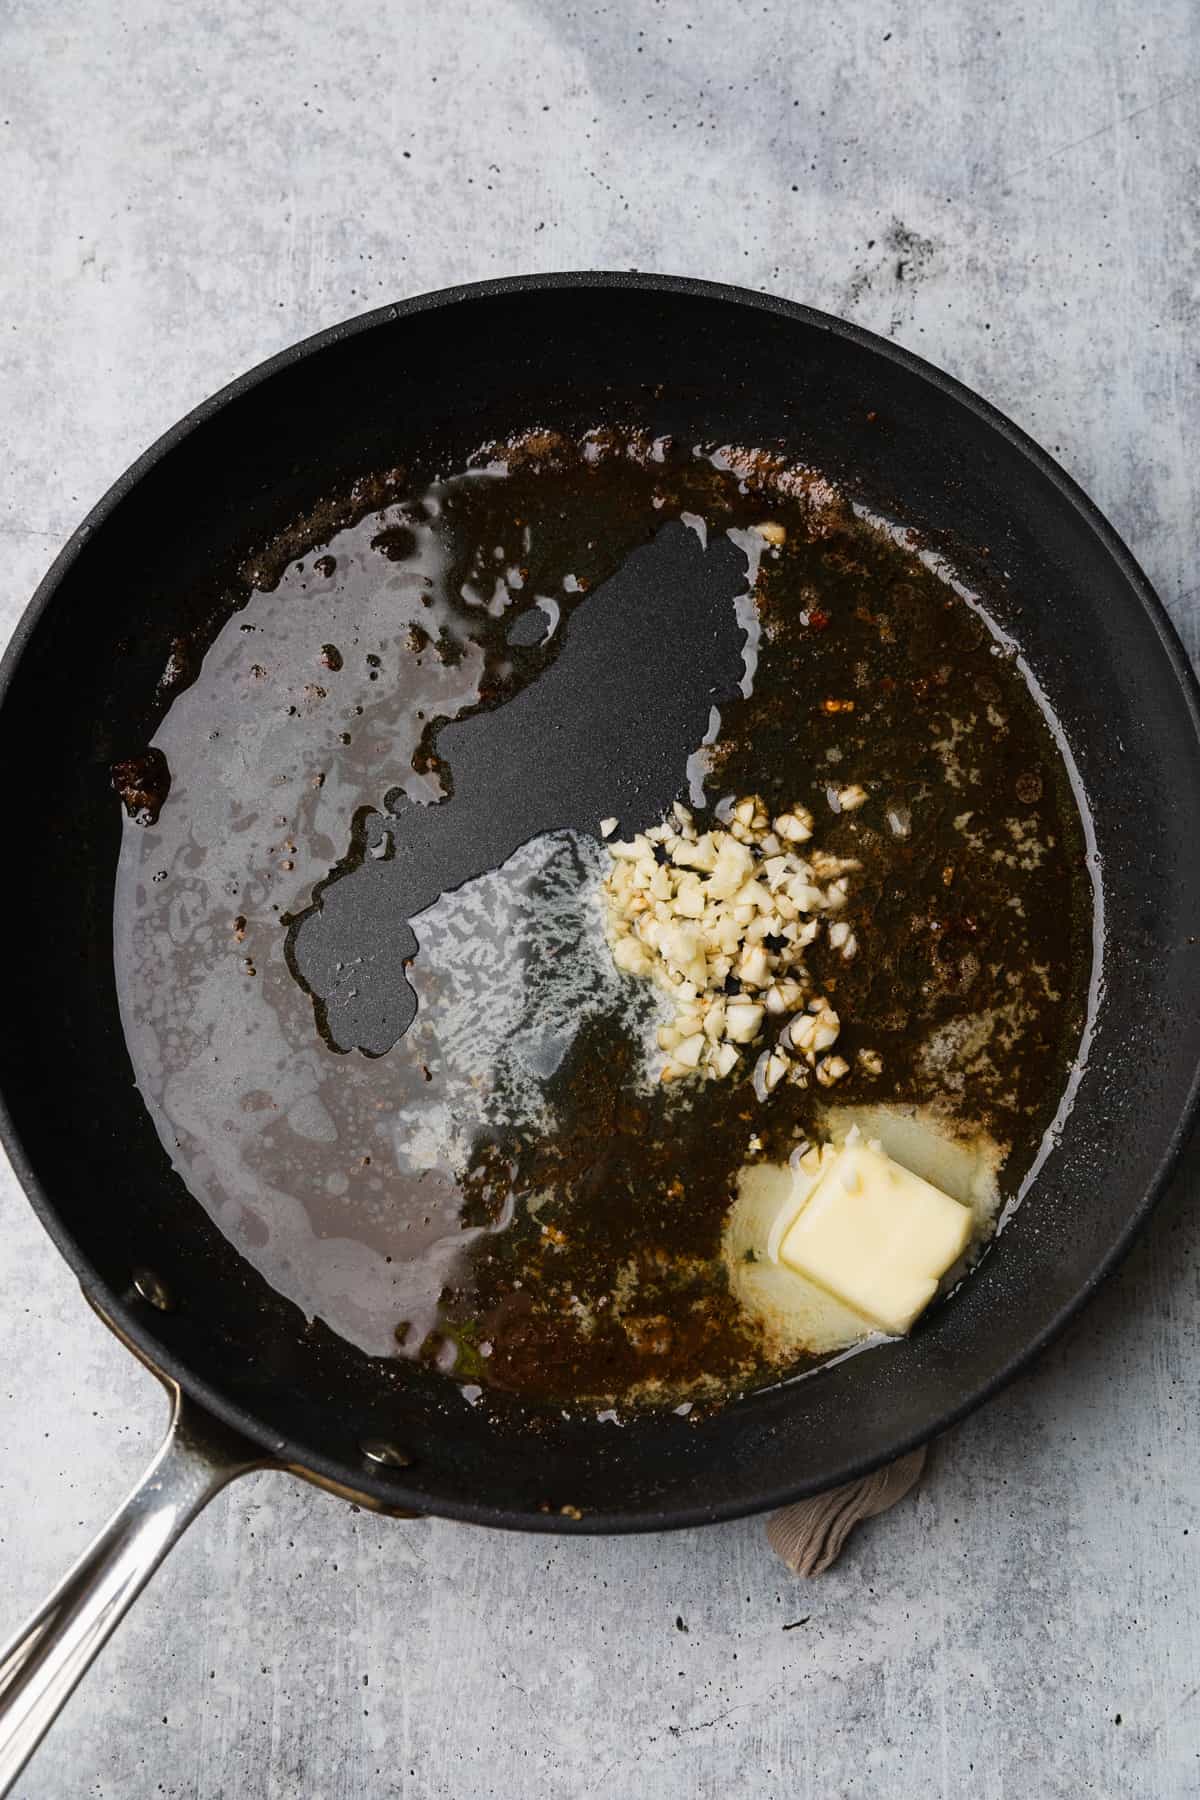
430 379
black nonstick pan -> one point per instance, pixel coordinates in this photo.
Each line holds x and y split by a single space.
429 379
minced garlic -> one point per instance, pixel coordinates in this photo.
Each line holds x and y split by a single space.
721 919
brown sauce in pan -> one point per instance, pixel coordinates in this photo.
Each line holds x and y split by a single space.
504 1192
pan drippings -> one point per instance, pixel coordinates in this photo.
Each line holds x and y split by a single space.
361 951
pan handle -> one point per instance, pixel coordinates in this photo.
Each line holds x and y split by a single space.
40 1666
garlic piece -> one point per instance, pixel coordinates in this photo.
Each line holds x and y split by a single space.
743 1021
688 1054
631 956
754 970
842 938
794 827
714 1021
769 1071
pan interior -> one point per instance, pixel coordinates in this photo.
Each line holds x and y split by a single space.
406 390
448 697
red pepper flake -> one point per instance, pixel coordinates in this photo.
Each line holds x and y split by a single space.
818 620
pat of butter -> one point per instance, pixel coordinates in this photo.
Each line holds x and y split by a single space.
876 1236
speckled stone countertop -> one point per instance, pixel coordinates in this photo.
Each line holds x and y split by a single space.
1015 195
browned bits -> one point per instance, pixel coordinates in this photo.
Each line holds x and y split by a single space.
143 783
571 1512
239 928
330 658
539 449
1029 787
837 706
325 565
651 1334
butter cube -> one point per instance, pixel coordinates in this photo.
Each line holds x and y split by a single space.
876 1236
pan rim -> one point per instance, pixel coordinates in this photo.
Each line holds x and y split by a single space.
131 1320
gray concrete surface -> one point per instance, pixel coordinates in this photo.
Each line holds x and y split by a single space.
1012 192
